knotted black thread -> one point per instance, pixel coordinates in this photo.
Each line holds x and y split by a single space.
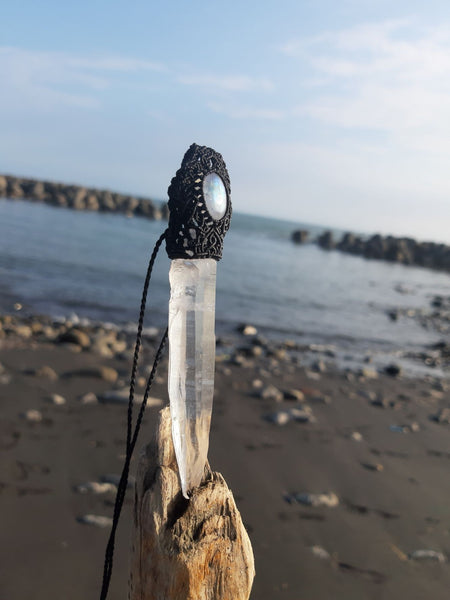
132 436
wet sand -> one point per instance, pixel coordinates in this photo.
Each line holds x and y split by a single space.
392 480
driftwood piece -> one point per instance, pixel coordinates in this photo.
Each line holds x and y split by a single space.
195 549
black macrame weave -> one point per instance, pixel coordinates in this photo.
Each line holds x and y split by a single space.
192 232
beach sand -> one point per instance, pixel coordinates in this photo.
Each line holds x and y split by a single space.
372 442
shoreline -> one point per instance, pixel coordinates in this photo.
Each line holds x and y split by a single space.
239 344
394 249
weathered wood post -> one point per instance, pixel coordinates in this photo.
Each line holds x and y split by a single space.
196 549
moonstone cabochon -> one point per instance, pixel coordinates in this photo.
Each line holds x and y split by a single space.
215 195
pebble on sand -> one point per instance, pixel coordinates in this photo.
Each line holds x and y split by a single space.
320 552
88 398
443 416
296 395
428 555
326 499
32 415
373 467
56 399
45 372
96 520
106 373
122 396
282 417
270 392
247 330
95 487
115 480
302 415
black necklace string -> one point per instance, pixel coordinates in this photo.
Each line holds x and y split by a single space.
132 435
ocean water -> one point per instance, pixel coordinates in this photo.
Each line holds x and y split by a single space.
57 261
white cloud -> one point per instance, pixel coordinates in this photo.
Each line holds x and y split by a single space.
247 112
233 83
392 77
45 80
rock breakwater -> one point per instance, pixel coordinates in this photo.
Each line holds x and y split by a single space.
79 198
407 251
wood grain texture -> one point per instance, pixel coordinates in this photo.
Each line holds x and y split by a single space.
195 549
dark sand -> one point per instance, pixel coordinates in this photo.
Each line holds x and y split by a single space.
46 554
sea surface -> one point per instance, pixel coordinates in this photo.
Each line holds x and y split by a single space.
59 262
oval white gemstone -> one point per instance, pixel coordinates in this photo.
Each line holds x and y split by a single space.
215 195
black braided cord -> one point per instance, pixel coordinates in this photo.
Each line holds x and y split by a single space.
132 436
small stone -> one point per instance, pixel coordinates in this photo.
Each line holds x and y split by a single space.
428 555
368 373
102 349
49 333
319 366
257 384
312 375
240 361
277 353
247 330
46 372
393 370
57 399
72 347
106 373
270 392
88 398
321 399
398 429
302 415
328 499
122 396
373 467
414 427
75 336
114 479
356 436
94 487
32 416
281 417
96 520
24 331
443 416
320 552
296 395
380 402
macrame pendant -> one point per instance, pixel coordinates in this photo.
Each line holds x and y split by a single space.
200 212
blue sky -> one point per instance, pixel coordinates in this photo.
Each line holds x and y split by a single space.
336 113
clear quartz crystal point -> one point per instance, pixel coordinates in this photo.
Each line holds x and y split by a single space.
192 348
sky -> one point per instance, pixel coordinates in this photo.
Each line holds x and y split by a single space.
333 113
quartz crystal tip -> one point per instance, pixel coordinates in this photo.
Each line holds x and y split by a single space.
191 364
